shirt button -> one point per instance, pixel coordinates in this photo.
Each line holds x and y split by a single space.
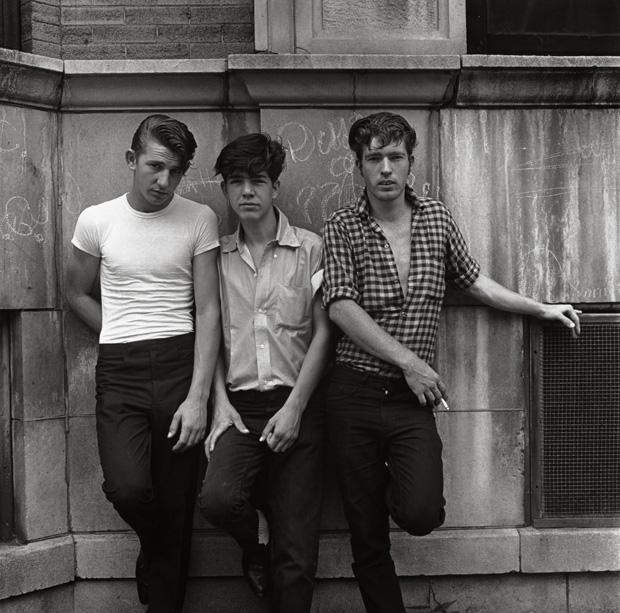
275 256
386 246
260 311
262 346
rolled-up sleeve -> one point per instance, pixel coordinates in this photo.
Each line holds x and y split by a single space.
339 278
461 268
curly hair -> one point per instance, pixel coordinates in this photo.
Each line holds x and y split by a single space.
171 133
251 154
386 128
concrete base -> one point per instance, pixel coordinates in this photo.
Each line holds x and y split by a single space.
513 593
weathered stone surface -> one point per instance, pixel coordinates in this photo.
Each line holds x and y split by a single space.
570 550
40 487
89 509
483 467
479 356
28 267
534 193
37 366
36 566
42 601
594 592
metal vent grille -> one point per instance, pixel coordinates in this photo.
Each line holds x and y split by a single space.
577 425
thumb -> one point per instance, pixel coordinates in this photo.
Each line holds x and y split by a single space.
174 426
238 422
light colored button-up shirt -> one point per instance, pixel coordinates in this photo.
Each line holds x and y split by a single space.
267 309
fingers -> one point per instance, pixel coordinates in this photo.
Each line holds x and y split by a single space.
238 423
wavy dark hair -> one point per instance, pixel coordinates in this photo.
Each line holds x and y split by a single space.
251 154
171 133
386 128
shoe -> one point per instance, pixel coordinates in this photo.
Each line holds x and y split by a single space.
142 578
256 565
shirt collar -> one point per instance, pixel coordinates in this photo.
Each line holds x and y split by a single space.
285 235
362 206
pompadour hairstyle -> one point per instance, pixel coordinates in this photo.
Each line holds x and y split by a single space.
171 133
251 154
386 128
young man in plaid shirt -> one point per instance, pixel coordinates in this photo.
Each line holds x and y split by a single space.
387 260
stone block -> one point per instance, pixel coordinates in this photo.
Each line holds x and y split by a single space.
594 593
106 596
124 34
185 33
28 141
483 467
81 352
481 374
105 556
533 194
157 15
570 550
89 510
36 566
40 487
157 51
92 15
37 365
42 601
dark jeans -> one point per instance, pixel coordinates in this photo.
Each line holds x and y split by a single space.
292 497
139 387
388 459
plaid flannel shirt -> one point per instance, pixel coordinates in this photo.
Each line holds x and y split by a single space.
360 266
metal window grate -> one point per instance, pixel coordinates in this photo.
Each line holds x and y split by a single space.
577 409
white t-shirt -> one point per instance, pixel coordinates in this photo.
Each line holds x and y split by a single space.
147 289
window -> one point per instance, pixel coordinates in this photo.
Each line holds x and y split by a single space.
10 26
549 27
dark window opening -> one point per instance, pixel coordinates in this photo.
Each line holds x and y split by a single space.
549 27
10 24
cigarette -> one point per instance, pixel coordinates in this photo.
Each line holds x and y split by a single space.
445 405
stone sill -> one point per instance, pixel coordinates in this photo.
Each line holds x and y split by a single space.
290 80
43 564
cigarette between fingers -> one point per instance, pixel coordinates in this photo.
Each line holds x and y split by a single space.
445 405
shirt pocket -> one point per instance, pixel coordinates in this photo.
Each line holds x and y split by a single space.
293 307
432 283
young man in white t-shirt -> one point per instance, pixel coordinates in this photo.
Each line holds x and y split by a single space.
156 255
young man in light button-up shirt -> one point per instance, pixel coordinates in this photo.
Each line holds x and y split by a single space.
268 404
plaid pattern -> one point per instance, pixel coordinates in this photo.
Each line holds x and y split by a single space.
359 265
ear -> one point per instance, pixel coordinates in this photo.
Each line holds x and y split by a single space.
131 158
276 188
411 160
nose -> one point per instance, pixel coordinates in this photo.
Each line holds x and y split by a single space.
386 167
163 179
248 188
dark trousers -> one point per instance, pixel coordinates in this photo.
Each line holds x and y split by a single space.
388 460
139 387
292 497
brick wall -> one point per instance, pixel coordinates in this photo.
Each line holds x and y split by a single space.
41 27
155 29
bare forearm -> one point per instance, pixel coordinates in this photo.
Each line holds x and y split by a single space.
87 309
364 331
208 333
495 295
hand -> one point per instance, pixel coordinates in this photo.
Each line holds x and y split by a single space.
191 419
563 313
224 416
424 382
282 429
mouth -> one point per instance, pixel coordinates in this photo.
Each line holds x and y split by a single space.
386 183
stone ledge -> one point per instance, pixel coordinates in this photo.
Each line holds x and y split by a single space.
343 80
115 85
39 565
30 80
513 81
569 550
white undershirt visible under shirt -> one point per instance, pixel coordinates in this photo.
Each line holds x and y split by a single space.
147 289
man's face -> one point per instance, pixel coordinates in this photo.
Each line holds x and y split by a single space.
385 170
251 197
157 173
